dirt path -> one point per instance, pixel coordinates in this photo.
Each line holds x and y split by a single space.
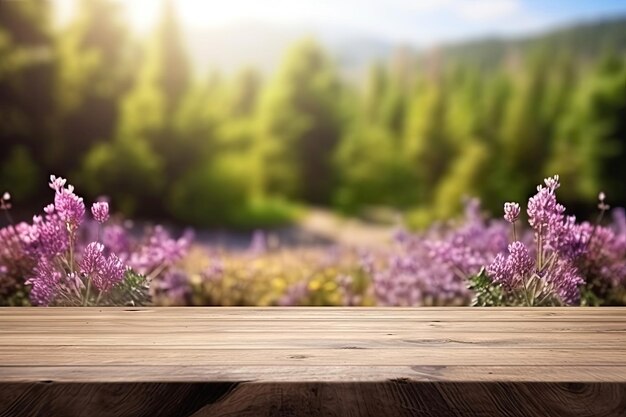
317 227
350 231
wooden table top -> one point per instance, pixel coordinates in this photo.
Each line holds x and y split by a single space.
232 344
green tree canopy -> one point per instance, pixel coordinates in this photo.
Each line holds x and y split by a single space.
300 122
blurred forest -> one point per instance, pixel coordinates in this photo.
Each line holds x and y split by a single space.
132 120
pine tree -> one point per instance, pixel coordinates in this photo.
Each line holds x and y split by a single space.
26 89
146 136
94 72
427 144
524 134
245 94
470 156
300 122
591 146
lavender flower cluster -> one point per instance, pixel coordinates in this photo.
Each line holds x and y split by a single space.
566 258
60 262
64 258
557 261
431 268
549 275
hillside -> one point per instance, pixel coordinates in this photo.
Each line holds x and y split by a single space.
261 46
586 40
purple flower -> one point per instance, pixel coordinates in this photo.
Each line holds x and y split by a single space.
520 259
500 271
46 237
57 183
543 209
105 272
604 261
172 287
160 250
619 221
566 280
562 279
511 212
69 206
431 268
74 283
553 230
214 272
100 211
258 244
110 273
116 239
552 183
45 282
562 245
510 271
93 259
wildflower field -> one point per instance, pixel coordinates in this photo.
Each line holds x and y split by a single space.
263 132
76 254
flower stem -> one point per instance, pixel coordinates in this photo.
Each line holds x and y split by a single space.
540 249
595 227
528 302
156 271
8 216
72 241
86 301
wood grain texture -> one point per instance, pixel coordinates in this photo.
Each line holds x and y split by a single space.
396 398
312 361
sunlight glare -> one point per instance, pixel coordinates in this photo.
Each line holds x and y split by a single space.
143 14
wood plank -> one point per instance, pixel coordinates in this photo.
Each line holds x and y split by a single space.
457 314
311 373
108 400
400 399
125 326
404 339
187 355
312 361
392 398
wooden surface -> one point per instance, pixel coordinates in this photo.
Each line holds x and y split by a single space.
312 361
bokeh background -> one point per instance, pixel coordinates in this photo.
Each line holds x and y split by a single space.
244 114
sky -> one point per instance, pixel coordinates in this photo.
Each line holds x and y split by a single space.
418 22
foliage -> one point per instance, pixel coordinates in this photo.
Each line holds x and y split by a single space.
27 87
61 259
486 294
431 267
300 118
95 59
131 118
569 257
558 261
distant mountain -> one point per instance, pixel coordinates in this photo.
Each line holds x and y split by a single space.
261 46
253 44
586 40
